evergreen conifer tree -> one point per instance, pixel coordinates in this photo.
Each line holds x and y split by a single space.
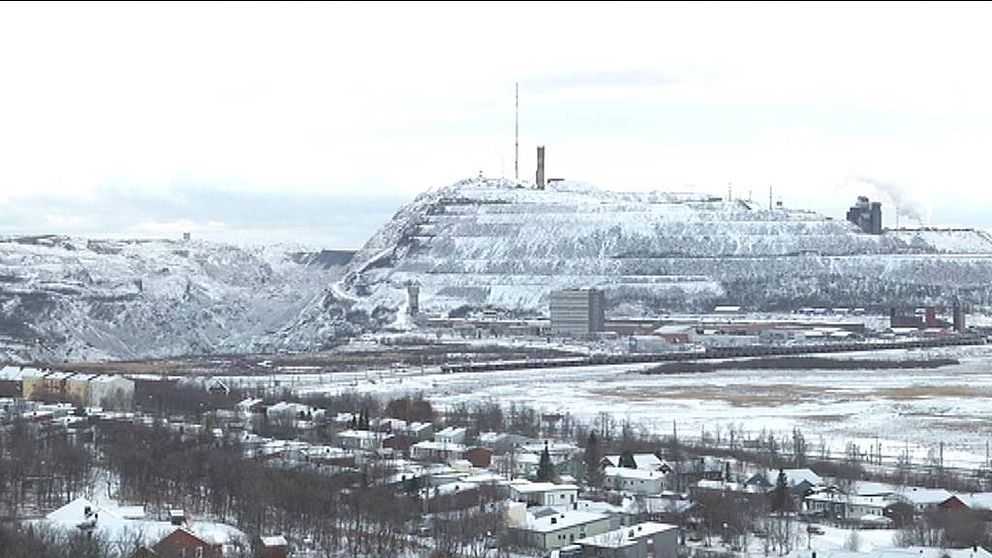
545 470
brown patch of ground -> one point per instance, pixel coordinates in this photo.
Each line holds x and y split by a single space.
914 392
772 395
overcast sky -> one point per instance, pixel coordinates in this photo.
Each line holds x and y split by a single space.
313 123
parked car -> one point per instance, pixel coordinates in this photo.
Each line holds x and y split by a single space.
815 530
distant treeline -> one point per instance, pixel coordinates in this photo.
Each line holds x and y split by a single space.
799 363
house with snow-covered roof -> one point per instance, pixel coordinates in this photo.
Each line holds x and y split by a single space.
436 452
635 481
642 461
643 540
554 531
560 496
123 525
365 440
451 435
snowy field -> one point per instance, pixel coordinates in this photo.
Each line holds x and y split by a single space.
914 408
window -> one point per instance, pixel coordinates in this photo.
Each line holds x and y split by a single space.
199 552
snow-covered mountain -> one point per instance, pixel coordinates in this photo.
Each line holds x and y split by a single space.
72 299
502 244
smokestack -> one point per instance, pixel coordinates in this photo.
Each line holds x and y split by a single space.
959 325
413 299
540 167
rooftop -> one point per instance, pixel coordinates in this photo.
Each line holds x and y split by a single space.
563 520
625 536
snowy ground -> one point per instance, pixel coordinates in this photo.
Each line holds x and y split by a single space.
902 408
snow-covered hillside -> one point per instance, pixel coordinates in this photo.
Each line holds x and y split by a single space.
473 244
484 242
71 299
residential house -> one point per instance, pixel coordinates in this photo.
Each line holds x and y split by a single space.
274 547
399 443
451 435
636 481
560 529
828 502
436 452
182 543
866 511
643 540
419 431
750 495
643 461
480 457
126 524
977 501
363 440
558 496
923 499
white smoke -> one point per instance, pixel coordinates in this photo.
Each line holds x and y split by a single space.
889 193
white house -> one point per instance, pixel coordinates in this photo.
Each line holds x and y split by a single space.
924 499
360 439
450 435
636 481
643 461
559 496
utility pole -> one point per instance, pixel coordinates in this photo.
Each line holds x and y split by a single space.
516 132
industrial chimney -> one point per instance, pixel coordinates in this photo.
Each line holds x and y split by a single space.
413 300
959 325
540 167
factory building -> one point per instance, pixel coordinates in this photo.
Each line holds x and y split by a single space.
577 312
866 215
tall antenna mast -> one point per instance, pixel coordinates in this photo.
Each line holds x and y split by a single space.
769 197
516 132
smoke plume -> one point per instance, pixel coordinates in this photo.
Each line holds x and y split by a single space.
890 193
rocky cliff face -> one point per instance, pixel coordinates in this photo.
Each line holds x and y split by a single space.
72 299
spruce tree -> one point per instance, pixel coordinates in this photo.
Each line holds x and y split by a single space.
780 494
627 460
594 475
545 470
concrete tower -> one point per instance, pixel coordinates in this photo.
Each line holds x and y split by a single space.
540 167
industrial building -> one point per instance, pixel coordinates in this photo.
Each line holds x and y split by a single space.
866 215
928 318
577 312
